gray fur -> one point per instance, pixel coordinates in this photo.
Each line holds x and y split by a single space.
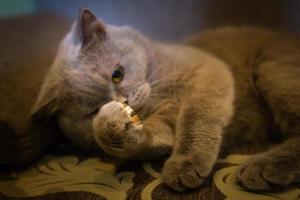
184 96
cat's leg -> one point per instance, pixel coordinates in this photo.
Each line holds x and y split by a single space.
117 135
279 85
198 137
275 168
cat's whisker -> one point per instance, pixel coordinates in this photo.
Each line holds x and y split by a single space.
161 95
133 87
166 85
156 72
169 78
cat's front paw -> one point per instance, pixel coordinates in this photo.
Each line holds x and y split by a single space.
117 131
265 172
185 172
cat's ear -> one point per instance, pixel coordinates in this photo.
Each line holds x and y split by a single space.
89 27
46 104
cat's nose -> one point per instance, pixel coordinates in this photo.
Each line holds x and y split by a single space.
119 97
122 99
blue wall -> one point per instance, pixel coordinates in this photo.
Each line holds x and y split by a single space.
170 19
15 7
161 19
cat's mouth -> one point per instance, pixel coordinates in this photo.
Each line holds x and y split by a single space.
132 113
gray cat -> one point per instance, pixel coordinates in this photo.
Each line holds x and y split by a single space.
186 99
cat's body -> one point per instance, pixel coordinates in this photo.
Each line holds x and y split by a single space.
184 96
248 53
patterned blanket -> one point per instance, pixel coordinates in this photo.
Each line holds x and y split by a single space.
57 176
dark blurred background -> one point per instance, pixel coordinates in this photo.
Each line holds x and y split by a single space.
170 19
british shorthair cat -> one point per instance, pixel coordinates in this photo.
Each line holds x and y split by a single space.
188 101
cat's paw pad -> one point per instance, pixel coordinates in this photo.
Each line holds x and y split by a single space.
183 172
117 129
118 112
264 173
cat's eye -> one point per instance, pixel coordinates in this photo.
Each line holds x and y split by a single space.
118 75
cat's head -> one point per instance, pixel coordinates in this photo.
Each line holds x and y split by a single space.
116 58
98 63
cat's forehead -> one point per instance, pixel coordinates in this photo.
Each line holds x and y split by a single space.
121 45
122 40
